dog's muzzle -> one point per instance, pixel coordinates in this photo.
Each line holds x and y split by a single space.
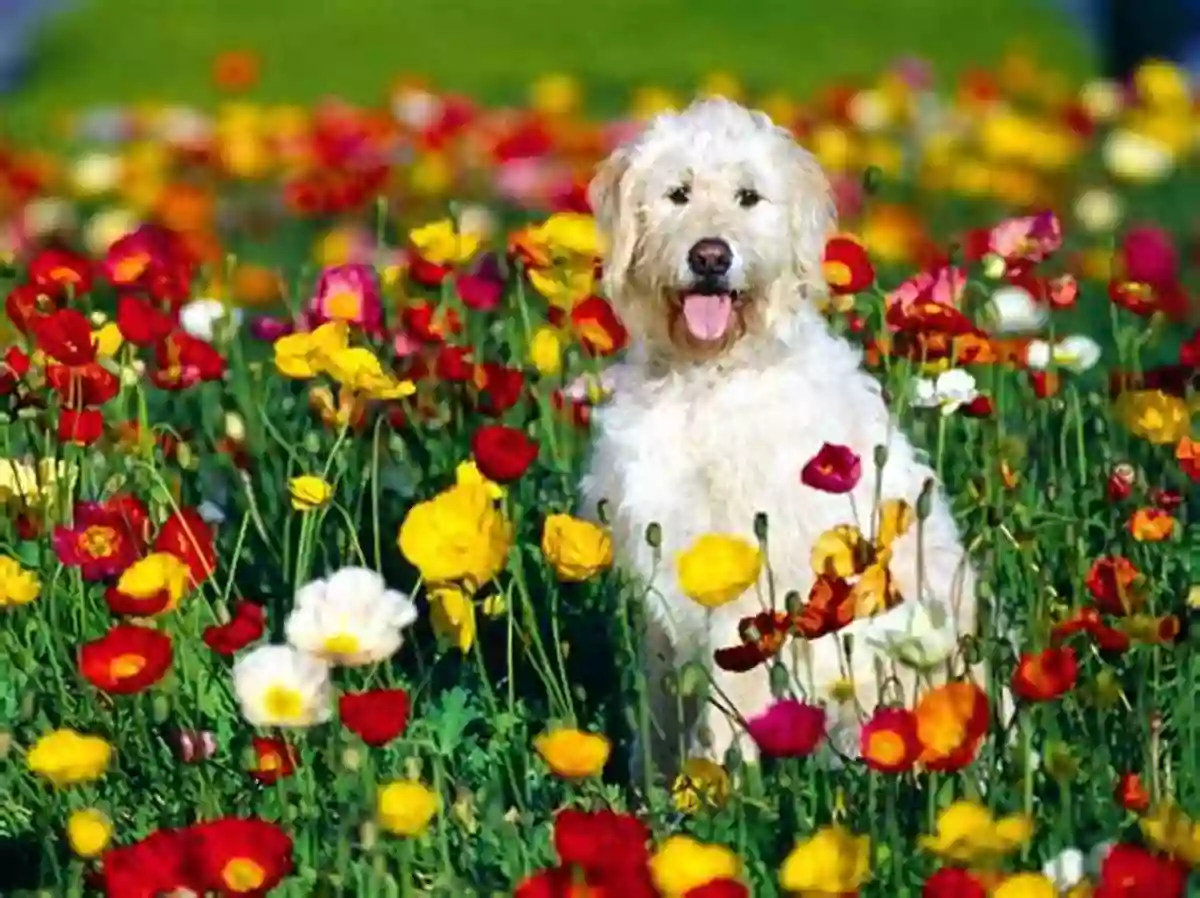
708 303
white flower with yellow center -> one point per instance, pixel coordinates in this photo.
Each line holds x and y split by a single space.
278 686
1014 311
1098 210
1136 157
1076 354
349 619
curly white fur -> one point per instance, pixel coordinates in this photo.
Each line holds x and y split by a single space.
700 439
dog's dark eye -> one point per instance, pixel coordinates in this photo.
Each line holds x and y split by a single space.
680 195
748 198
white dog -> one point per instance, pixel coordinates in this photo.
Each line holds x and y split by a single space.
716 222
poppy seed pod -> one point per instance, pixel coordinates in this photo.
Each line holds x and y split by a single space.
925 500
654 536
760 526
780 680
872 179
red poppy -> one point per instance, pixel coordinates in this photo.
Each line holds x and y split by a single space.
81 427
377 716
834 469
187 536
788 729
105 538
1148 255
499 387
244 627
25 304
1045 675
888 741
1146 299
1189 352
577 411
426 273
235 855
65 335
141 323
719 888
953 882
829 608
84 385
1120 482
483 294
1132 794
454 364
762 636
57 272
151 258
1111 581
13 368
847 267
1130 871
429 324
125 660
600 332
1167 500
503 453
159 864
181 361
603 844
273 759
1088 621
952 722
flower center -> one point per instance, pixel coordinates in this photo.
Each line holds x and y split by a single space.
64 275
243 875
131 267
283 703
123 667
344 306
886 748
342 644
98 542
836 273
270 762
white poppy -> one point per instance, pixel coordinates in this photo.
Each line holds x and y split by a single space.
205 318
913 634
1066 869
350 619
1102 99
1015 311
868 110
1076 353
1136 157
278 686
949 391
97 174
1098 210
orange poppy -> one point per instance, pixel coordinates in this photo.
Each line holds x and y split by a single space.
952 721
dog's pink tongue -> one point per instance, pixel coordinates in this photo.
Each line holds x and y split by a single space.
707 317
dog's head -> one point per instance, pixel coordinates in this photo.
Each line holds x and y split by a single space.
716 221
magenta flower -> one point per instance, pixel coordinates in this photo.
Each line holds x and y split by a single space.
347 293
1149 256
788 729
1032 238
479 292
834 469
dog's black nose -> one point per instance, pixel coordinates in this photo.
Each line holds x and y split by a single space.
710 257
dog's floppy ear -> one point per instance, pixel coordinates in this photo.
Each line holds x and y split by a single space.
812 214
610 196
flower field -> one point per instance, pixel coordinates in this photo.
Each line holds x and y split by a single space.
297 597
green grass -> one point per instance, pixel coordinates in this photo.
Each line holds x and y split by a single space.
127 50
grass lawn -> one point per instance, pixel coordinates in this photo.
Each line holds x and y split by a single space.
128 50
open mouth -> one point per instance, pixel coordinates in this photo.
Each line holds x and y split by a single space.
708 314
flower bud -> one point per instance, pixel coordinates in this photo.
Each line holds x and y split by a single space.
872 179
733 759
780 680
760 526
692 679
880 455
793 603
654 535
602 512
925 500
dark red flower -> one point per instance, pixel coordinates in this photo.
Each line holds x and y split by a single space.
888 741
82 427
600 332
1111 581
1189 352
834 469
181 361
454 364
829 608
65 335
187 536
125 660
1045 675
478 292
57 272
244 627
1089 622
1130 871
1148 256
600 843
762 636
25 304
847 267
141 323
429 324
274 759
502 453
1132 794
104 539
159 864
235 855
85 385
788 729
953 882
377 716
719 888
499 387
1120 482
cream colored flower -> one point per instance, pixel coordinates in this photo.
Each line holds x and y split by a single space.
1014 311
1076 353
278 686
913 634
1099 211
350 619
1135 157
